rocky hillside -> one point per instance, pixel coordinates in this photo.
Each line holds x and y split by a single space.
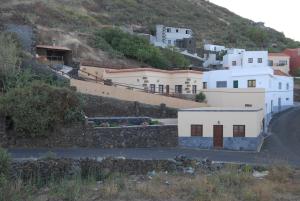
210 22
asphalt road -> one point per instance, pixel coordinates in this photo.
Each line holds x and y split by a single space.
283 146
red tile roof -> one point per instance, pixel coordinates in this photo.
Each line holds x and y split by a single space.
280 73
278 55
152 70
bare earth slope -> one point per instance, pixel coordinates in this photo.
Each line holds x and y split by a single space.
210 22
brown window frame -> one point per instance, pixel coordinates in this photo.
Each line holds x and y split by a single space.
197 130
239 130
251 83
178 89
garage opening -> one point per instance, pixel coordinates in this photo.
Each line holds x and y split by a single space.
54 55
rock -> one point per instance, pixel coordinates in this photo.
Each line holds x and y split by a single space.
151 174
260 175
189 170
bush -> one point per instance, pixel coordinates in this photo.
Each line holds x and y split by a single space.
200 97
39 107
135 47
4 163
9 59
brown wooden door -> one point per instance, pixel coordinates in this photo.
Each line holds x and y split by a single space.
218 136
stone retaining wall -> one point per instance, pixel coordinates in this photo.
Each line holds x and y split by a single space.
51 169
120 137
108 107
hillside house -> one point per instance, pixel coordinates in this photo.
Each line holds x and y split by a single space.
278 87
179 83
181 38
280 61
222 128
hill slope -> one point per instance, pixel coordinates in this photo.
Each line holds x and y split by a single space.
210 22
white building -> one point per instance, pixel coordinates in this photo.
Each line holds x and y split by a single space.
211 53
167 36
242 58
279 94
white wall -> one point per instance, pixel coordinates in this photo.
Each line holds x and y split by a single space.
241 57
169 38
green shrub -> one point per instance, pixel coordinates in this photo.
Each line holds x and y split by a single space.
135 47
200 97
39 107
9 59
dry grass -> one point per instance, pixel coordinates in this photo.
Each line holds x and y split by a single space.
229 184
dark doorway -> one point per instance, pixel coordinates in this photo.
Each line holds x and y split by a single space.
218 136
167 89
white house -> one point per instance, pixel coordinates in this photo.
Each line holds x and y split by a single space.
278 88
167 36
242 58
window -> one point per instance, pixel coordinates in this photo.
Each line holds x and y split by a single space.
169 30
169 42
177 30
259 60
161 89
204 85
271 63
279 85
194 89
221 84
233 63
152 88
282 63
251 83
239 131
287 86
235 84
197 130
187 32
178 89
250 60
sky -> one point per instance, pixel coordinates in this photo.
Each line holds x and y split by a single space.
282 15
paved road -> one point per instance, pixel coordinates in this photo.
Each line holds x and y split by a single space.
281 147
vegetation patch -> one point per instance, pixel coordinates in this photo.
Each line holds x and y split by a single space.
119 43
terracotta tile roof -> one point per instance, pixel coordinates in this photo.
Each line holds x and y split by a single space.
280 73
278 55
53 47
151 70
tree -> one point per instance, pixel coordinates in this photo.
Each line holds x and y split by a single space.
9 59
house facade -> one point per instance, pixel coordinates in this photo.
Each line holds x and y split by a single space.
280 61
294 60
221 128
176 82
